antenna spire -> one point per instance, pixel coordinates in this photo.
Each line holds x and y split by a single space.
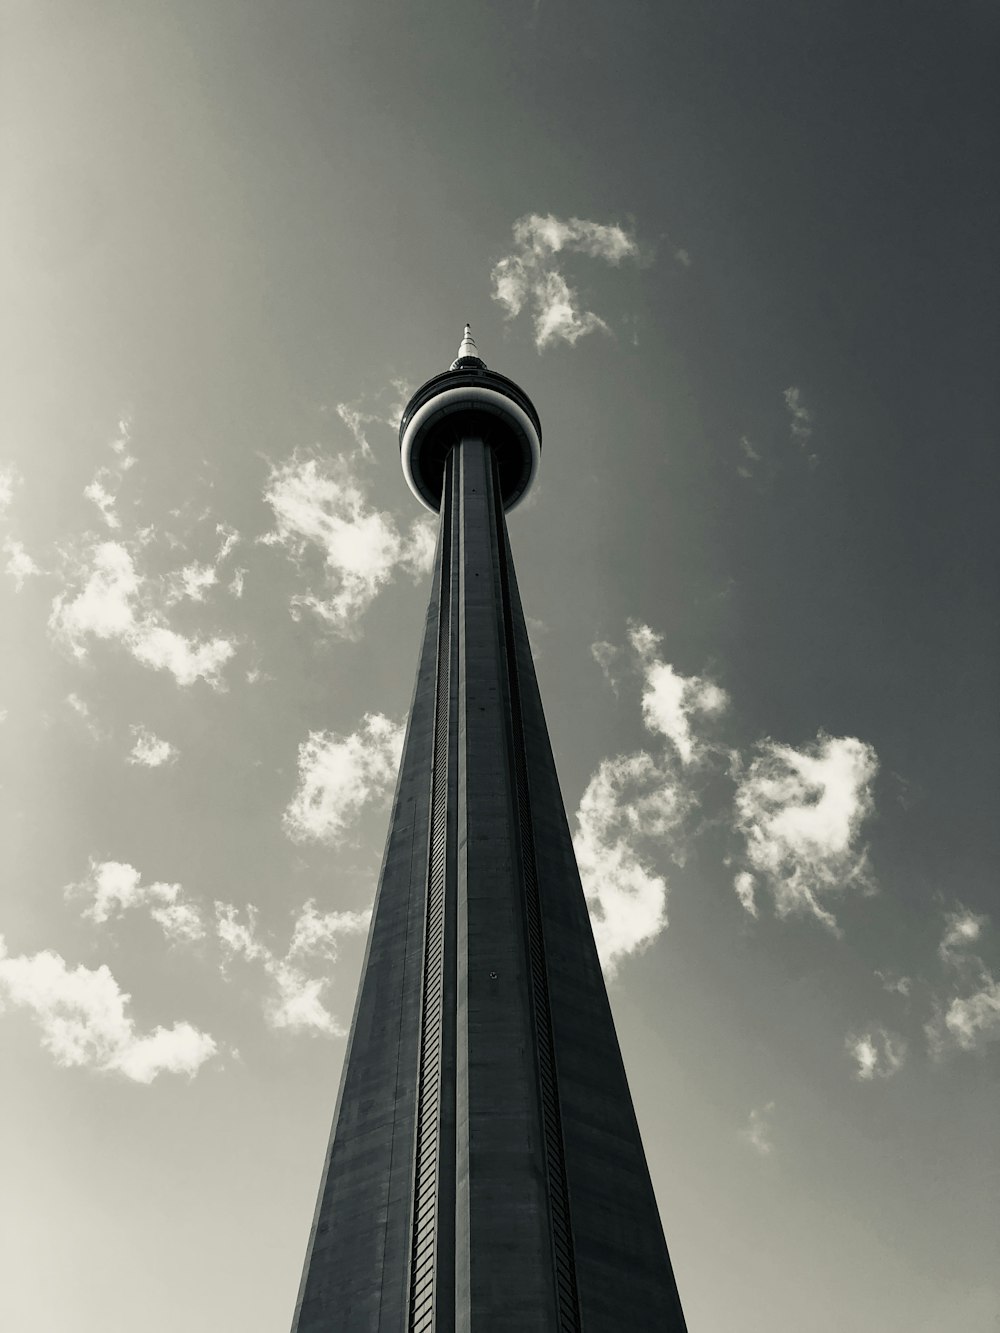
467 349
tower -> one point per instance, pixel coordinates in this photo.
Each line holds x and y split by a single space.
485 1171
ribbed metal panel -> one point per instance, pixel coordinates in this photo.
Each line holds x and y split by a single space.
426 1203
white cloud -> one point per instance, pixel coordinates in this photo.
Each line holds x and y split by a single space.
543 236
120 444
894 985
186 659
605 655
322 506
230 536
968 1021
103 498
529 277
82 710
750 458
239 939
20 565
801 813
628 798
338 775
192 582
800 420
757 1131
876 1053
104 606
671 701
179 919
10 479
558 316
148 749
103 490
683 258
300 977
385 409
236 583
113 887
745 888
113 605
639 797
962 929
84 1020
356 420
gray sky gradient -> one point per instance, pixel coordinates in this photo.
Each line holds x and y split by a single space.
743 259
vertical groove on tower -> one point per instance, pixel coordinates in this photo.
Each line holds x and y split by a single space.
555 1166
430 1300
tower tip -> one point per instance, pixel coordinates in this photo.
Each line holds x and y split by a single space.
467 348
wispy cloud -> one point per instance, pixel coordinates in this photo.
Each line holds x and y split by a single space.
895 985
339 775
102 490
749 458
84 1019
801 813
800 420
876 1054
148 749
381 409
962 929
108 599
671 702
20 565
745 888
636 801
10 479
300 977
606 655
530 279
757 1131
83 711
111 888
191 583
629 799
970 1020
321 509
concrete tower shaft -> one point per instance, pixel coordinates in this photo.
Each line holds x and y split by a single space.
485 1172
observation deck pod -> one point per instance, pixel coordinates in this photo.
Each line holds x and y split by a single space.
469 402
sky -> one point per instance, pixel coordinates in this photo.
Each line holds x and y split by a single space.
743 259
